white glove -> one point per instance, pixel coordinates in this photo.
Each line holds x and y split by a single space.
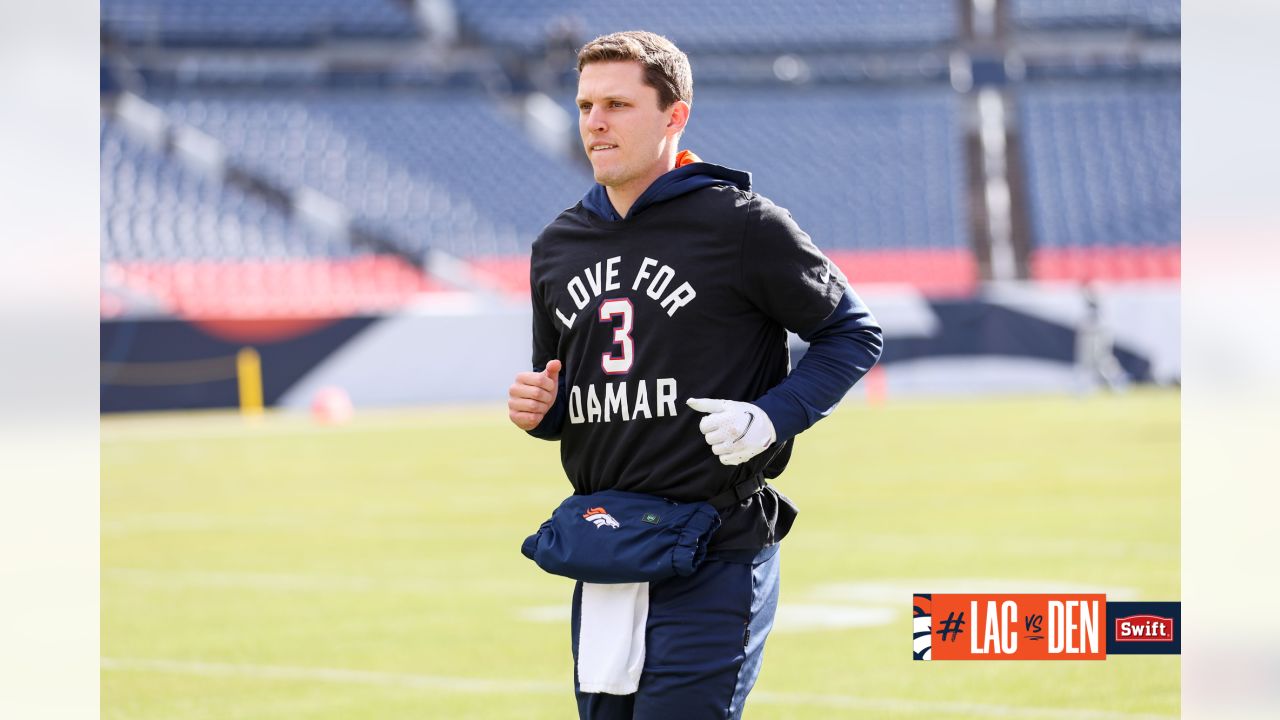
736 431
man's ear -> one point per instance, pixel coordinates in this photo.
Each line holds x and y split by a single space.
678 116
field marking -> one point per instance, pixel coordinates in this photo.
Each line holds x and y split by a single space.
199 522
344 676
347 526
1025 546
792 617
897 591
802 617
221 424
933 707
486 685
265 580
365 525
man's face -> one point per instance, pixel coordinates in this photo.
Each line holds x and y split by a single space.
624 132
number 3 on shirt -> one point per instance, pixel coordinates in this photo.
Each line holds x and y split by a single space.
620 363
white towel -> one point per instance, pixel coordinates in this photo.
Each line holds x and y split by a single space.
611 637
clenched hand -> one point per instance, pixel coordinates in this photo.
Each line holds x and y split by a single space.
532 395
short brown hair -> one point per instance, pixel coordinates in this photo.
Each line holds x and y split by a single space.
666 68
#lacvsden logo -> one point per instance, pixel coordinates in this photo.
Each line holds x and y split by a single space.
1069 626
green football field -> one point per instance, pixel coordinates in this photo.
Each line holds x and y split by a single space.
286 570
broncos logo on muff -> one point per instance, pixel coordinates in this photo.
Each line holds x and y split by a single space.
600 517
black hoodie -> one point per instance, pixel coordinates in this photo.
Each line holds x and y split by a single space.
690 295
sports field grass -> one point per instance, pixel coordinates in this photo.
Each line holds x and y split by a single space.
287 570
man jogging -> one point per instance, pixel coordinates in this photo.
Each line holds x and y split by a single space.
661 304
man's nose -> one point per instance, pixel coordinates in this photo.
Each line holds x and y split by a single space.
595 120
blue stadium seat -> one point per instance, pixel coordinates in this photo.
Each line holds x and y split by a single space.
154 208
858 169
874 171
254 22
1102 163
720 25
1157 15
447 170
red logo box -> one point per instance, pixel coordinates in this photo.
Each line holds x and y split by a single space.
1144 628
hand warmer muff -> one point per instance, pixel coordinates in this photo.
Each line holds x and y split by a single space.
621 537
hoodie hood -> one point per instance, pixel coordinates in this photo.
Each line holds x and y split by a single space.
689 174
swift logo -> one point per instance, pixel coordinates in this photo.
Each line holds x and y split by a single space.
1144 628
600 517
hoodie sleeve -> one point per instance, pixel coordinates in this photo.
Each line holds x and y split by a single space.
783 272
842 349
790 280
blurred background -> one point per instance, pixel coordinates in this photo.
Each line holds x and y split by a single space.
350 188
317 214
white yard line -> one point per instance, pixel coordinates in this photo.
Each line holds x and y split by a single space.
364 525
894 592
218 424
1025 546
342 676
943 708
199 522
266 581
486 686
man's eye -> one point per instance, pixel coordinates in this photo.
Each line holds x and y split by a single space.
617 103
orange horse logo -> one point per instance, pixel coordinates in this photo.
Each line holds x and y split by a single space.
600 517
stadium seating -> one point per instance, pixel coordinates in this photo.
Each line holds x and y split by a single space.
254 22
200 247
446 170
154 208
875 177
878 171
1103 172
1157 15
1084 264
866 150
859 169
720 25
249 288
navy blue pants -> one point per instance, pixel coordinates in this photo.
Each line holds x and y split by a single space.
704 643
